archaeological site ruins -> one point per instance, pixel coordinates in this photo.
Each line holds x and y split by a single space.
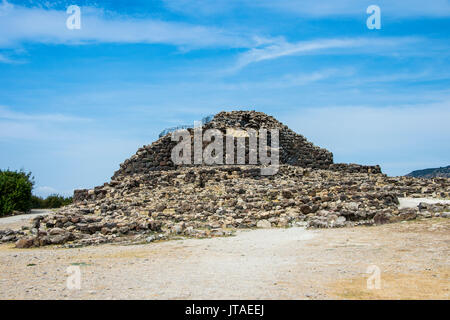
149 198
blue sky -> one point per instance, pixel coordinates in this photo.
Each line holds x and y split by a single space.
75 103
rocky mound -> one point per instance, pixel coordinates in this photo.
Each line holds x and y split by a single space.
294 148
150 198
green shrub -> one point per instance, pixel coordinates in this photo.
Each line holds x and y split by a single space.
37 202
15 191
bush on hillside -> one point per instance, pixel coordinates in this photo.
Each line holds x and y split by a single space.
15 191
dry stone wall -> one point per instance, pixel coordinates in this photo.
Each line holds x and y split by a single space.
294 148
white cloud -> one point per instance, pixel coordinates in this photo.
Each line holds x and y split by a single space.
283 48
286 81
4 59
397 8
10 57
5 7
36 127
7 114
403 77
16 130
315 8
19 24
44 191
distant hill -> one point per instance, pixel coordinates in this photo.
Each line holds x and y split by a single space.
443 172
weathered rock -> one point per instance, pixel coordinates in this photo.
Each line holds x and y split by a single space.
382 217
55 231
407 215
25 242
305 209
263 224
59 239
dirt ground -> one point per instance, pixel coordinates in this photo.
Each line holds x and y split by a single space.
412 259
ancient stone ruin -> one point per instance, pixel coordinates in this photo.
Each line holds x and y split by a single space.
294 148
150 198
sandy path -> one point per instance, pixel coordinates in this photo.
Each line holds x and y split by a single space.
15 222
259 264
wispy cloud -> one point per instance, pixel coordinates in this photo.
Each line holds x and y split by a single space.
314 8
22 24
4 59
7 114
284 48
398 8
288 80
7 59
402 77
35 126
44 191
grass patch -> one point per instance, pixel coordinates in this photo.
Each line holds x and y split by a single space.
80 264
